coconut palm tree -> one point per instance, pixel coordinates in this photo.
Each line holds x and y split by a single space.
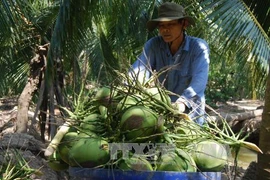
81 42
263 159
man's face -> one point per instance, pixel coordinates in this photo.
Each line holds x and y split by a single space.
169 30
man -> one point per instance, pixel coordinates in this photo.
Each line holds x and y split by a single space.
181 61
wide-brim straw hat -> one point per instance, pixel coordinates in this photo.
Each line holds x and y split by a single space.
169 11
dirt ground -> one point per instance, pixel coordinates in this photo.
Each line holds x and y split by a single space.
31 145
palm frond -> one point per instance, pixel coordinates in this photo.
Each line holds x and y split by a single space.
234 20
260 9
18 40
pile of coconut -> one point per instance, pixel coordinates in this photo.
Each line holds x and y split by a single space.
131 128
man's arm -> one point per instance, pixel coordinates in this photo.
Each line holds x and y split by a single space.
141 68
199 70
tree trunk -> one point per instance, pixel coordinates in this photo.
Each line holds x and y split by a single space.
23 105
263 170
36 68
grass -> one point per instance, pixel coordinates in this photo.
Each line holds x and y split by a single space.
14 166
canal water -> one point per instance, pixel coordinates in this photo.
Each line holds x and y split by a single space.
245 157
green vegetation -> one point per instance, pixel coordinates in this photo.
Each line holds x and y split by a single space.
15 166
87 38
89 41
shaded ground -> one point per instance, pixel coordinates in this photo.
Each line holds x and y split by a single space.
28 146
31 147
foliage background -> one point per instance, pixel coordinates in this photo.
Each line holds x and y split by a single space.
102 36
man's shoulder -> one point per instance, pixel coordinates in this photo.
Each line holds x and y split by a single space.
156 41
196 41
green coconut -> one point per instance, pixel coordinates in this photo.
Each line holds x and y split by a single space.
178 160
135 163
65 145
159 94
92 123
138 121
129 101
87 134
93 118
89 153
210 156
56 163
189 131
191 165
189 128
104 96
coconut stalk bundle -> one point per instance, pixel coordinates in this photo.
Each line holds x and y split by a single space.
134 112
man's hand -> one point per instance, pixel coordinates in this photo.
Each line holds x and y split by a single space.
181 106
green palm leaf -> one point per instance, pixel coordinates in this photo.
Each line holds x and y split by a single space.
234 20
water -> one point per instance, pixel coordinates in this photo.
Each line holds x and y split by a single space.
245 157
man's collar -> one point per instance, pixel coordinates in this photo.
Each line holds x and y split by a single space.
184 47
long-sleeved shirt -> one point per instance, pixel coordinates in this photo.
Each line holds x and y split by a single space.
185 73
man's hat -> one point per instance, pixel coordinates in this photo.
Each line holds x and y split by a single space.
169 11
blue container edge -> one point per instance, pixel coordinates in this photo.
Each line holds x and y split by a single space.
117 174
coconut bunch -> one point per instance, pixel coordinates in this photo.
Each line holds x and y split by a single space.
138 115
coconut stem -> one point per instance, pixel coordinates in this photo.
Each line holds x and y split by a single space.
57 139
